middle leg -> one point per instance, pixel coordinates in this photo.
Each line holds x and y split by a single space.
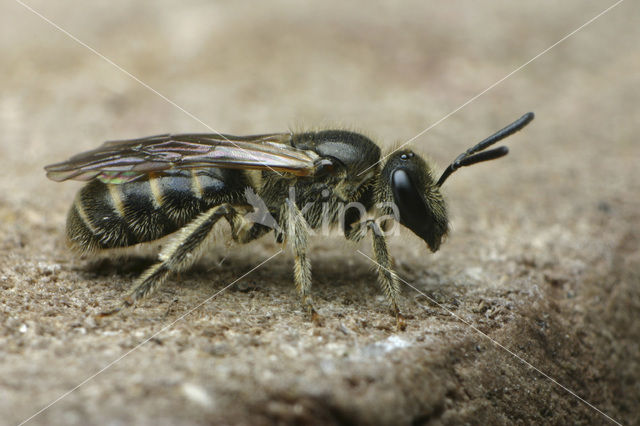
297 234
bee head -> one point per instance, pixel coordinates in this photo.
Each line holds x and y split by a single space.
409 181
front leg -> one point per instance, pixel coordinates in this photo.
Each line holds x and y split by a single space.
297 234
387 278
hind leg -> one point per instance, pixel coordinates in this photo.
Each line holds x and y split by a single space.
183 251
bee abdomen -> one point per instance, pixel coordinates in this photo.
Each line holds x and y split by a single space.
107 216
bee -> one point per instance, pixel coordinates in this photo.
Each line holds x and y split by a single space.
141 190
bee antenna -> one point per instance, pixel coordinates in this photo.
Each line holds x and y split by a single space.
468 158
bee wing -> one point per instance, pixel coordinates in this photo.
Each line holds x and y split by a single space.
127 160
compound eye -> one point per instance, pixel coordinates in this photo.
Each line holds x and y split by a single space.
408 199
415 213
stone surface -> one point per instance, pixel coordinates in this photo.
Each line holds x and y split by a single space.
534 297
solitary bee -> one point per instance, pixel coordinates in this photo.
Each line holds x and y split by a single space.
141 190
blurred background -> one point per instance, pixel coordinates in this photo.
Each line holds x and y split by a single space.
566 195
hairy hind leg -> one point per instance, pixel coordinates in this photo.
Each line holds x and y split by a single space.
183 251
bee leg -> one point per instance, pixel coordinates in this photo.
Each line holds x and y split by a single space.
244 231
297 233
386 276
181 252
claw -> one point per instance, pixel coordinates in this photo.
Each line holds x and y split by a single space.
126 303
316 318
109 313
400 322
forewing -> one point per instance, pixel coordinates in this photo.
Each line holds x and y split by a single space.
124 161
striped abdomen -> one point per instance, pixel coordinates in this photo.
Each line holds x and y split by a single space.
119 215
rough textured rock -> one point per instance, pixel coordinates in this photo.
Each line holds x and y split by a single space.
542 265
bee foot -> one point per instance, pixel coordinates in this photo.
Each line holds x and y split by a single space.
401 323
126 303
316 318
108 313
